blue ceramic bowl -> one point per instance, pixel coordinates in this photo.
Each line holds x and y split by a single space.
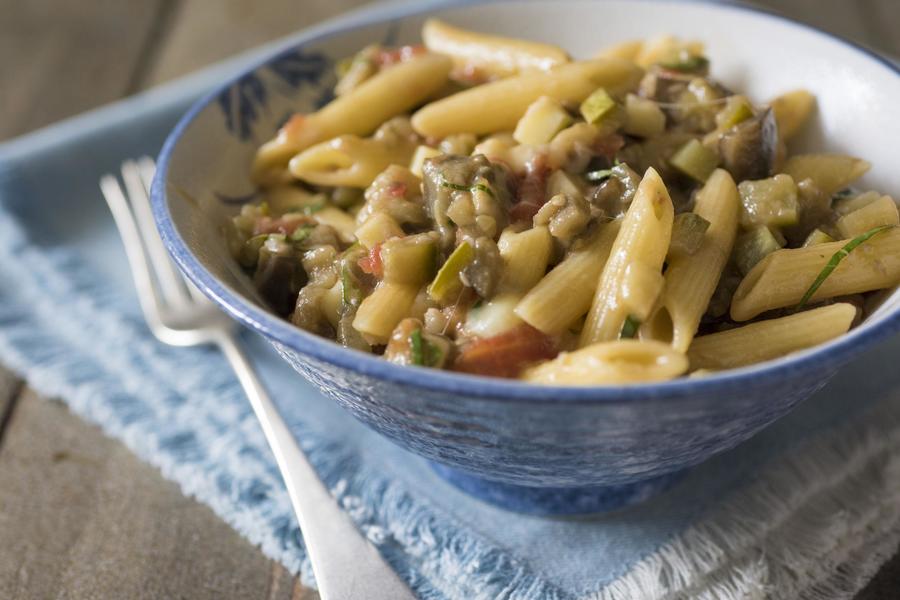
534 449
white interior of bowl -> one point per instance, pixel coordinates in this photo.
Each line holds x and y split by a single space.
750 52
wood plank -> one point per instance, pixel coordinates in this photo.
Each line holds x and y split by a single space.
201 35
82 517
61 58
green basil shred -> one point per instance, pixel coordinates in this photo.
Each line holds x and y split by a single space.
301 233
598 176
350 294
422 352
467 188
313 207
836 258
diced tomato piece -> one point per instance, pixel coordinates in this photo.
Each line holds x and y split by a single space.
371 263
471 74
293 125
507 354
397 189
532 190
389 57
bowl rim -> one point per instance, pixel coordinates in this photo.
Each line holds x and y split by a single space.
825 357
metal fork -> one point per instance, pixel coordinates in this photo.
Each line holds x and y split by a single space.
345 564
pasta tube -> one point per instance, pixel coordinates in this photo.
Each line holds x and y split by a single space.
391 92
348 160
489 55
498 106
627 50
611 363
882 211
626 287
792 111
564 294
770 339
691 279
380 311
782 278
828 172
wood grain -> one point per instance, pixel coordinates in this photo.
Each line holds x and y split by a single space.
60 58
98 523
202 33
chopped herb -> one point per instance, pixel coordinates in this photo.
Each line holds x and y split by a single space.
455 186
629 328
313 207
350 293
467 188
421 351
302 232
836 258
599 176
483 188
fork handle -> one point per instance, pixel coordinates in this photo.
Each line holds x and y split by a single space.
346 565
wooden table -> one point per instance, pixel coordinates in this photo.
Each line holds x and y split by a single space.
80 516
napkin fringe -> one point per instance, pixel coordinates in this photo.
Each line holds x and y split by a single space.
778 537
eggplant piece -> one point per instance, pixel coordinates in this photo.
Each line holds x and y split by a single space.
279 276
749 149
448 175
483 273
613 197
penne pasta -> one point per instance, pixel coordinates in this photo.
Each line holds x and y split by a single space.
340 221
564 294
391 92
632 277
792 111
488 56
828 172
624 50
380 312
882 211
666 49
783 277
348 160
485 230
498 105
611 363
691 279
765 340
